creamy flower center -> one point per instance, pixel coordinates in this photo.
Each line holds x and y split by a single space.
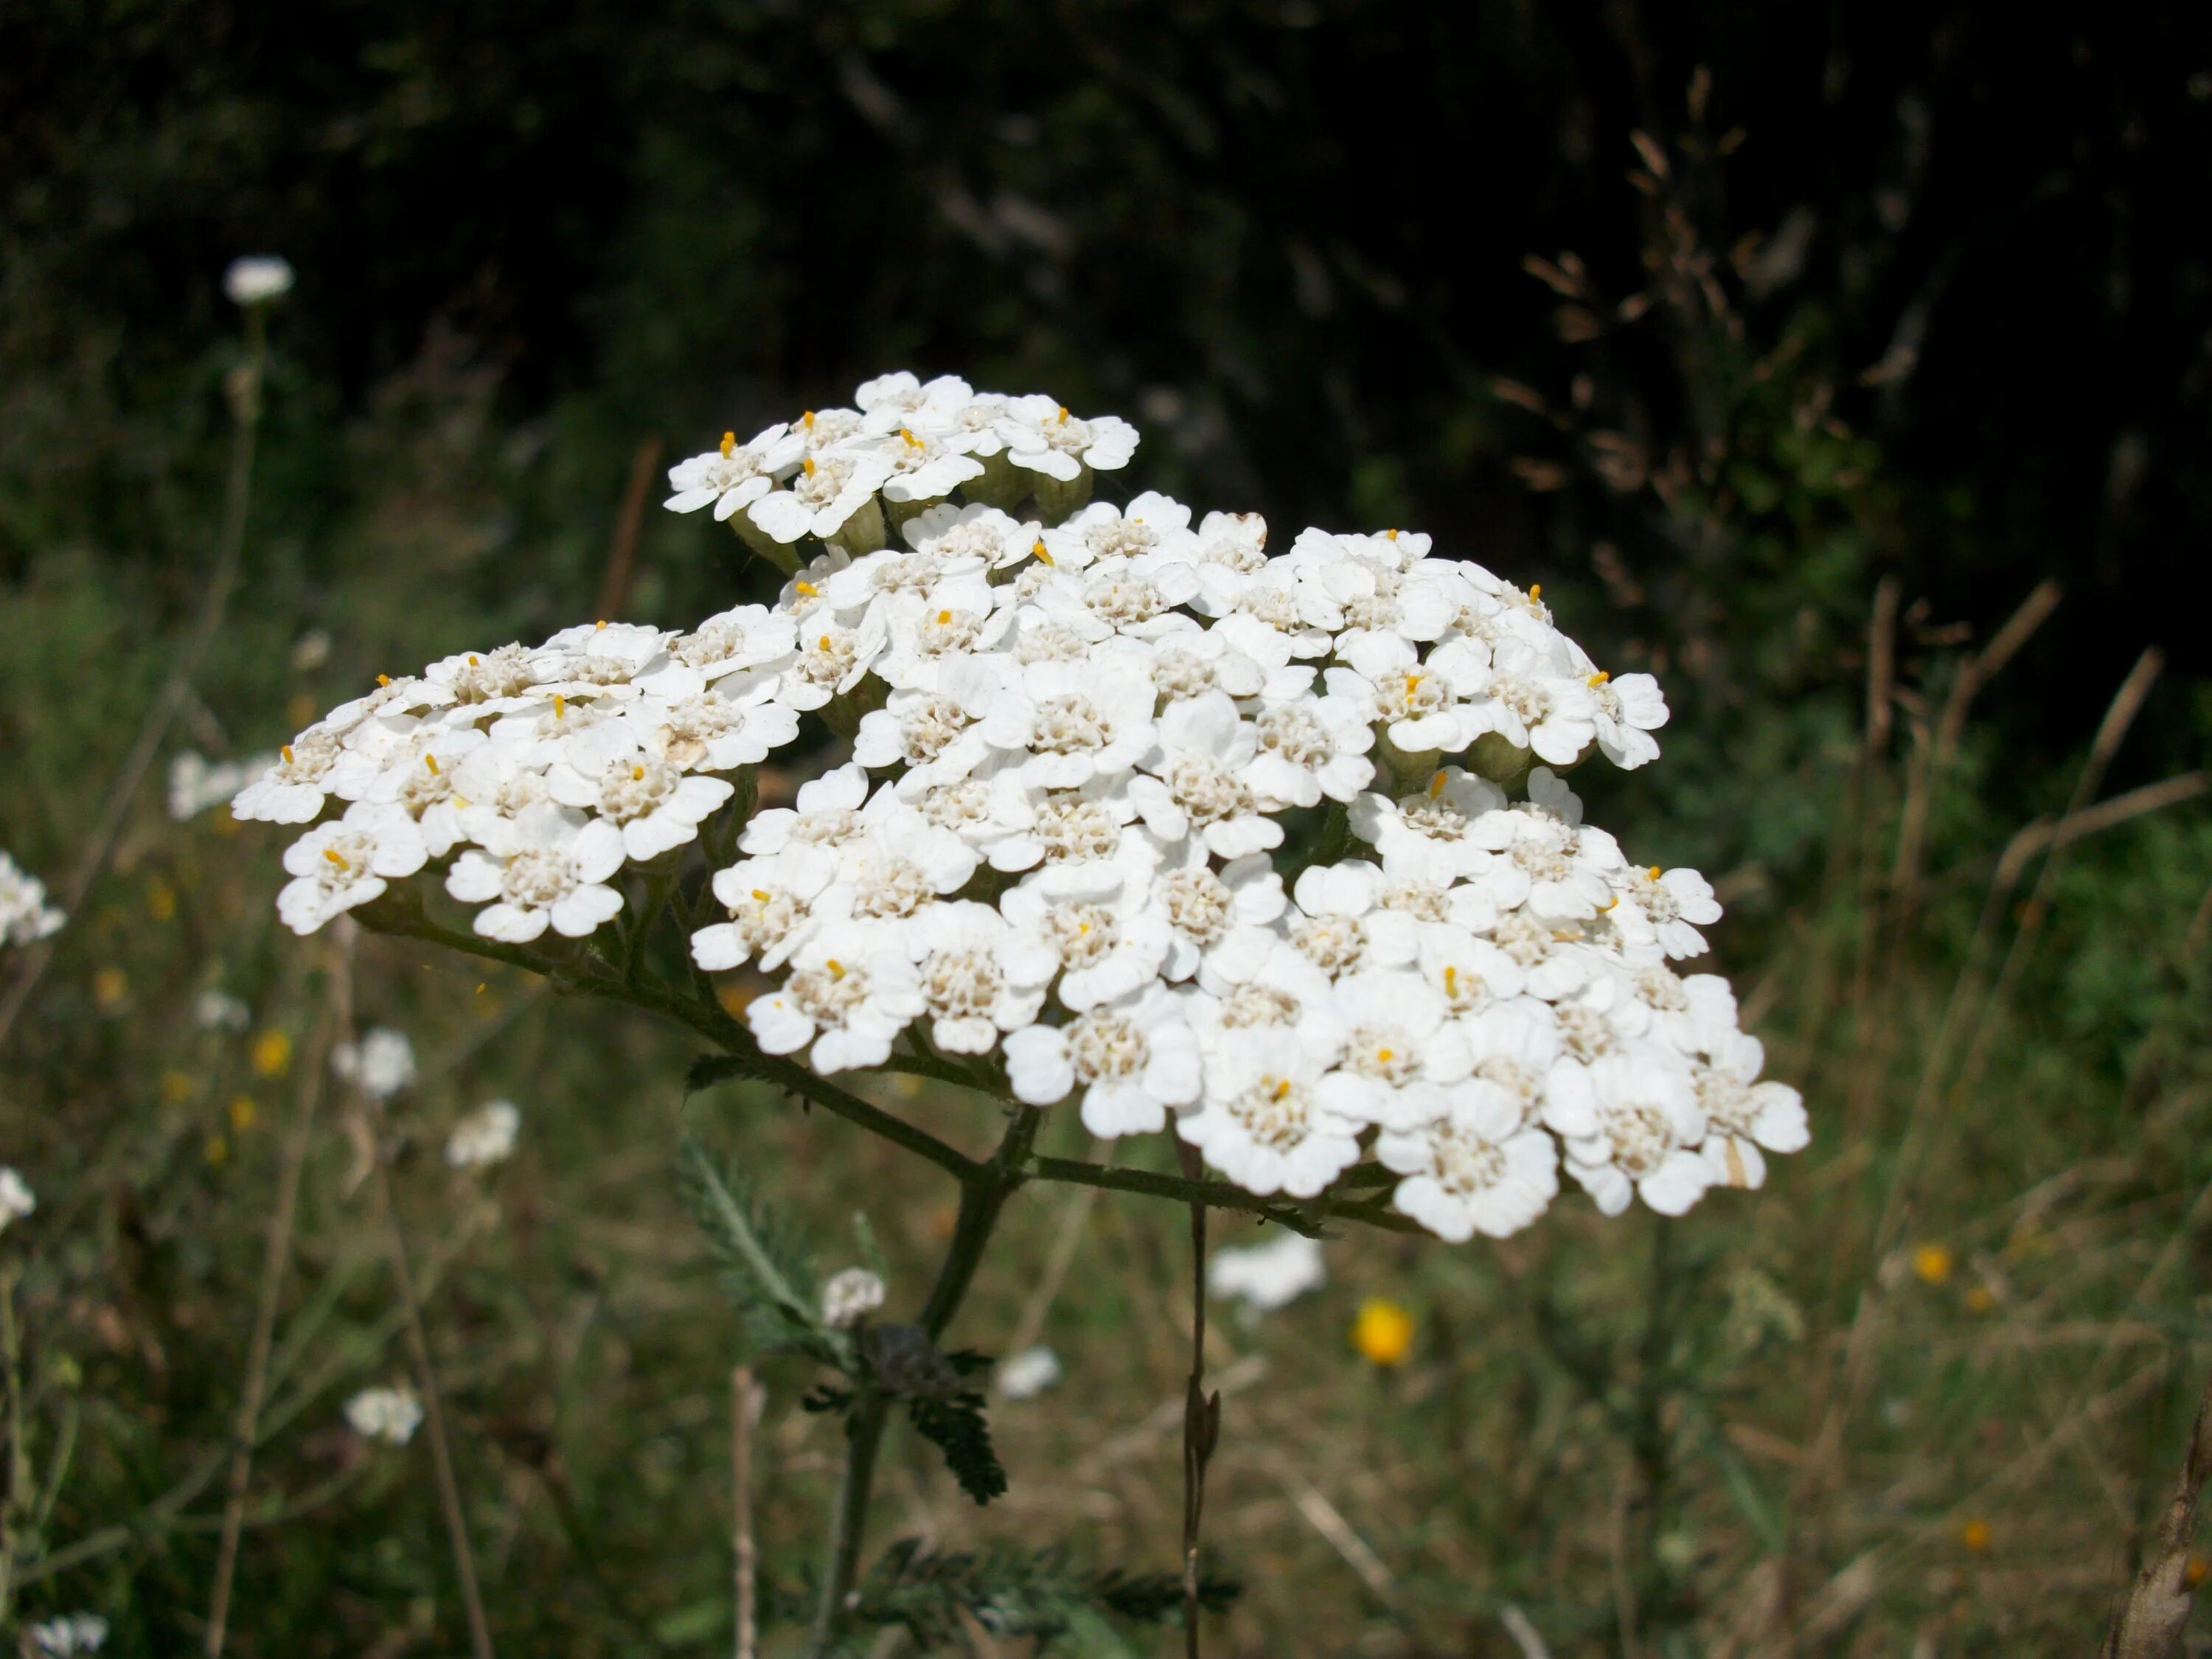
1072 827
1332 944
962 984
1198 903
829 657
1105 1047
1206 789
826 828
1082 933
1641 1138
538 877
1524 1085
344 860
1585 1033
1411 696
505 672
1465 1163
307 757
959 805
1524 939
691 727
928 726
765 916
1050 642
1731 1106
946 632
1124 601
1178 675
1067 724
1530 702
1258 1005
1384 1053
828 995
1661 990
1297 735
1421 899
1275 1112
1465 990
891 887
635 789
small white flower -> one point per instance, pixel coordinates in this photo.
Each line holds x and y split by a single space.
17 1200
292 790
381 1064
1025 1375
1262 1120
1430 836
486 1136
1649 1125
72 1634
547 866
923 466
1470 1171
1134 1058
828 487
1402 1051
218 1010
336 867
655 805
1627 710
387 1415
769 902
977 978
1042 437
1195 780
971 532
1266 1277
25 916
1661 907
1743 1114
850 1296
1105 936
736 475
256 279
845 999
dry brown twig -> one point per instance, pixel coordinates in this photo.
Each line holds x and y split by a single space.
2149 1625
336 1013
747 1397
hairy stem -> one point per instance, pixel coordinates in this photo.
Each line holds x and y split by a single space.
983 1194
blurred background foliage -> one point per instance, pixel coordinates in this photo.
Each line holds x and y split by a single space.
1887 316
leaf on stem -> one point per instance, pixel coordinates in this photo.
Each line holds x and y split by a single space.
766 1267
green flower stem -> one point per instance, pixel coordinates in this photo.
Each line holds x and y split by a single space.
983 1194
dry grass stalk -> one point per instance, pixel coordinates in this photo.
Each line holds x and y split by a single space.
629 520
2149 1625
746 1398
336 1013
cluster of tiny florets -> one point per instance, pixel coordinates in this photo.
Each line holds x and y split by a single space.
25 916
1078 731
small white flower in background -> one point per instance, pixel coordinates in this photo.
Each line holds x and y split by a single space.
70 1635
219 1011
387 1415
25 916
16 1198
485 1136
1025 1375
196 783
850 1296
1077 738
381 1064
1266 1277
256 279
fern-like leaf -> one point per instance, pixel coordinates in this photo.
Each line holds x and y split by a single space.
766 1268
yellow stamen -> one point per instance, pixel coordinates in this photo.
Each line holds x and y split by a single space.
1451 980
636 772
912 442
287 752
1536 591
560 706
384 679
1412 681
1390 535
1598 678
472 661
760 893
836 968
943 617
599 624
431 761
808 467
1063 414
822 644
1384 1056
1655 872
809 589
337 858
1610 903
807 420
1039 551
729 444
1283 1089
1435 783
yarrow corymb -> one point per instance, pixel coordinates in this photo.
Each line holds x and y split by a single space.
1273 850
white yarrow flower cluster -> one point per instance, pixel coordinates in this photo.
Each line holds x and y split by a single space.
381 1064
1083 735
485 1137
25 916
390 1416
17 1200
71 1634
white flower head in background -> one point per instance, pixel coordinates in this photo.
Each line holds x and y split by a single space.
16 1198
388 1416
219 1011
1266 1277
25 916
485 1136
381 1064
1025 1375
71 1634
850 1296
256 279
196 783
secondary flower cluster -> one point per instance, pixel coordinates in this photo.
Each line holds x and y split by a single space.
25 916
1081 741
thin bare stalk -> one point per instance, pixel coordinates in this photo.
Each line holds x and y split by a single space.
433 1420
1201 1413
337 1003
2149 1625
746 1398
16 1501
244 390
